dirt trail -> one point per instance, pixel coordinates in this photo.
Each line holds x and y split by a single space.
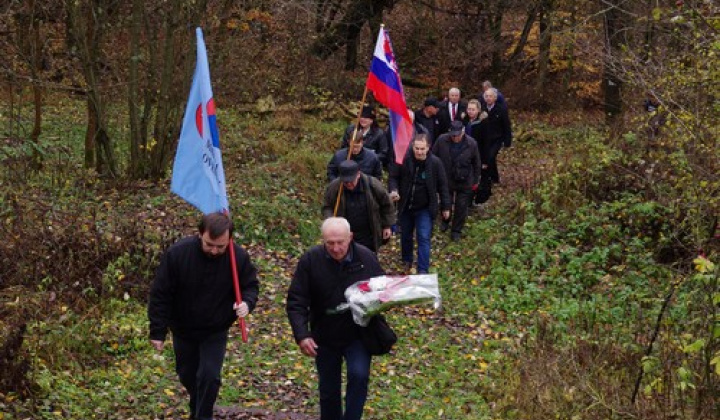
521 168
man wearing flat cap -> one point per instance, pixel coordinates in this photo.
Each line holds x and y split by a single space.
461 160
364 202
373 136
427 117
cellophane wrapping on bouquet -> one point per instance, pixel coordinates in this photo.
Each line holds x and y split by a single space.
370 297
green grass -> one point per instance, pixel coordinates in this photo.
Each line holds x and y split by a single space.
545 261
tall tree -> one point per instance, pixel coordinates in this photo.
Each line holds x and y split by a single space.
615 26
160 44
546 11
30 19
88 22
346 31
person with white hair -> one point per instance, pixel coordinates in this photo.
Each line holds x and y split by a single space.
496 132
453 109
320 331
488 85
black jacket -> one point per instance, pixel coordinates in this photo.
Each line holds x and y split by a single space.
367 160
444 119
374 140
496 127
472 128
318 286
402 176
464 172
431 124
381 212
193 294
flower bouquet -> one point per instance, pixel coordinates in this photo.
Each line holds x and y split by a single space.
371 297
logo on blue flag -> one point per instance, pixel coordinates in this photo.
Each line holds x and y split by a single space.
198 175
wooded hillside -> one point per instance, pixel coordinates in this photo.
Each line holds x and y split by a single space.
587 288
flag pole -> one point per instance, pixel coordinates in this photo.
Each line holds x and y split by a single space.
350 145
236 285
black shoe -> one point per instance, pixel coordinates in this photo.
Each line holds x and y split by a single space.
455 236
407 266
444 226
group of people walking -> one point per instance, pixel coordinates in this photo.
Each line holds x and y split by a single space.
449 165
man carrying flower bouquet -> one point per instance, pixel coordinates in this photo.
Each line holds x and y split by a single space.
331 337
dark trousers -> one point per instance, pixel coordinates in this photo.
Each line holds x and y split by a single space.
484 190
329 367
198 363
461 199
492 162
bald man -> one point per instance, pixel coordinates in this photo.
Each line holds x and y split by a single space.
320 331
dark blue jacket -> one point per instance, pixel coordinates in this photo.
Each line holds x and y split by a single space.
367 160
374 140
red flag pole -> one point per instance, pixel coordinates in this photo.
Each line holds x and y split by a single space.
238 295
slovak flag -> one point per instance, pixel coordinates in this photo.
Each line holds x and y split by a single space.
198 175
384 81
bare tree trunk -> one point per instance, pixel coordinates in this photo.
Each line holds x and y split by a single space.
546 23
347 30
170 96
30 43
568 74
495 21
138 137
36 67
90 131
527 27
164 131
86 30
612 84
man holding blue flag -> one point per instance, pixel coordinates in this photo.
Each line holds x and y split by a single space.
193 297
204 282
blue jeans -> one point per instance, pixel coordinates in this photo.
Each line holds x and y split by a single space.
329 366
198 363
420 222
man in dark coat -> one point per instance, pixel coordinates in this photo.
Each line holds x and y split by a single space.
193 296
420 187
321 331
488 85
427 117
461 160
451 110
495 131
367 160
373 136
364 202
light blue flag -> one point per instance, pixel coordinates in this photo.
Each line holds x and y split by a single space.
198 175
